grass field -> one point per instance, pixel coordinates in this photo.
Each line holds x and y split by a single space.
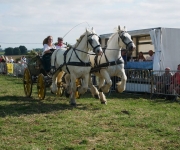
128 121
1 53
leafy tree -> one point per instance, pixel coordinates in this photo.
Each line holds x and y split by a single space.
9 51
23 50
38 50
16 51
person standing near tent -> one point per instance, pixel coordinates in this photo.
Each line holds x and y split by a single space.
175 81
141 57
151 56
163 82
124 55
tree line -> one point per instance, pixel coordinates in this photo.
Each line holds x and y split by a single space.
21 50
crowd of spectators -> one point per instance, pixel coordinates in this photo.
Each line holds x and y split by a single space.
169 83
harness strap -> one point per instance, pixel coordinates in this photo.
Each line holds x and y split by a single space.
78 64
77 56
107 64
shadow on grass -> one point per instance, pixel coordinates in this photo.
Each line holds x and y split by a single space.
160 98
126 95
19 105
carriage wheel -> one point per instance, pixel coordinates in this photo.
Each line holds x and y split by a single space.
60 87
27 81
78 84
41 86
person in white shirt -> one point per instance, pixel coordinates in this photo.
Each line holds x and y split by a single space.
23 59
11 60
60 44
48 48
151 56
48 45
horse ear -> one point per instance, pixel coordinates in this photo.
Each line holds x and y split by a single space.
124 28
92 29
119 28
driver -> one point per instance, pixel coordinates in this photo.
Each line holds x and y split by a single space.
48 48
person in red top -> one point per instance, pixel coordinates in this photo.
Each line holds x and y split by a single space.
175 85
0 58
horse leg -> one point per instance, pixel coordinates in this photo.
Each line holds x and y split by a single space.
93 89
59 77
121 85
84 86
67 85
105 88
53 62
54 83
72 91
102 97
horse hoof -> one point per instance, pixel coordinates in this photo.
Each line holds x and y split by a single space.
67 94
104 103
73 104
96 96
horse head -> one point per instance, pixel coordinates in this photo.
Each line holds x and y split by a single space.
94 42
126 39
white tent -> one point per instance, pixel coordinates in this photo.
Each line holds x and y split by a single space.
166 43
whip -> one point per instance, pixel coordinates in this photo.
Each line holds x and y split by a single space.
76 26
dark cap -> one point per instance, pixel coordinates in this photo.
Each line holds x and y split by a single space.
60 38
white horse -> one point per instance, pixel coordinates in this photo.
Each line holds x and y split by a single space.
111 64
75 62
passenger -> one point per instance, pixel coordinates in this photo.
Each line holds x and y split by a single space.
60 43
151 56
175 82
141 57
48 48
163 82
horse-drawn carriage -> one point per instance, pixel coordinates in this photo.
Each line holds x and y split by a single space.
77 62
36 74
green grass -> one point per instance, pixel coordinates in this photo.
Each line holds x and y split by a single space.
128 121
1 52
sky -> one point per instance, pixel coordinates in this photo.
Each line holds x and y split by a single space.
28 22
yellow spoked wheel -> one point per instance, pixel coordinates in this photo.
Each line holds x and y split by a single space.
78 84
60 87
27 81
41 86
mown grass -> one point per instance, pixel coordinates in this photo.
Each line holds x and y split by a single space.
128 121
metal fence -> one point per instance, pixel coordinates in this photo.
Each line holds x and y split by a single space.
165 84
157 83
137 81
14 69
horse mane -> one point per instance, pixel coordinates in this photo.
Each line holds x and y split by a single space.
80 38
116 31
